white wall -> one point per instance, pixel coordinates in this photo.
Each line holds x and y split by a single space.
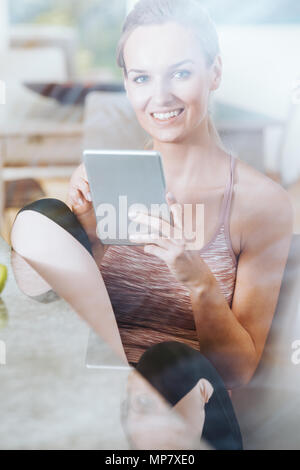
260 64
3 25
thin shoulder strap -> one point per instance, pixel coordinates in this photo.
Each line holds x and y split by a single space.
229 200
228 192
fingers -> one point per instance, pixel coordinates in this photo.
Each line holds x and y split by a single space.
77 198
84 173
79 193
176 210
157 224
157 251
84 187
147 239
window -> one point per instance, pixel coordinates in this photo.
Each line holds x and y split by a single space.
97 24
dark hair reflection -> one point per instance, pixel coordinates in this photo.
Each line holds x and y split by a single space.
176 371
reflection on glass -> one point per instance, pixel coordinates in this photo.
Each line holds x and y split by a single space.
150 422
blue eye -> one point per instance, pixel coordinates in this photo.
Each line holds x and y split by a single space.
184 72
136 80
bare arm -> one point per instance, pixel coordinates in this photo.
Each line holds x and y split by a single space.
79 201
233 339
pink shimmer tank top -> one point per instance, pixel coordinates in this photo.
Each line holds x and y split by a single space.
149 303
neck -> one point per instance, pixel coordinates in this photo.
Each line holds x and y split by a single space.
187 159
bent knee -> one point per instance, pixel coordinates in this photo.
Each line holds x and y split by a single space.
51 207
27 217
55 210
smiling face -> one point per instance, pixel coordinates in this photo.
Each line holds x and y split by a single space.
167 73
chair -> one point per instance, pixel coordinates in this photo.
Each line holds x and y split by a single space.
268 407
110 122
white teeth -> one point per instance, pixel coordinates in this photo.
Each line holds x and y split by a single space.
167 115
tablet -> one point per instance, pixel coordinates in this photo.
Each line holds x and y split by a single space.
99 355
121 180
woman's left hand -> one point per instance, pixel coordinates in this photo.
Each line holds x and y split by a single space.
187 265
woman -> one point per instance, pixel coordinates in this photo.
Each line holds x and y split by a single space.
219 300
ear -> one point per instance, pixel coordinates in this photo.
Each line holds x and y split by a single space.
206 389
216 73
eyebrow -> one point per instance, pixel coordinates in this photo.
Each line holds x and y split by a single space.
171 66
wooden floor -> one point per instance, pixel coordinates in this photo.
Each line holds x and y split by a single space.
58 187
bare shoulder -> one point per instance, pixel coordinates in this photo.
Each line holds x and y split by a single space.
260 203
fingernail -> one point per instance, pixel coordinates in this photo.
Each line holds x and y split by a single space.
80 201
89 197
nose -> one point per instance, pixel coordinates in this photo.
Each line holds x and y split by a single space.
162 93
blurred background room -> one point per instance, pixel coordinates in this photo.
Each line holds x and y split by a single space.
64 91
61 92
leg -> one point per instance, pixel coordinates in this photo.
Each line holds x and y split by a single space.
29 281
47 238
178 372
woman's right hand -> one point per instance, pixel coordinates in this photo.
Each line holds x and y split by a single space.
80 202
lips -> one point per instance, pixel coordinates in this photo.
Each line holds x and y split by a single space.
168 120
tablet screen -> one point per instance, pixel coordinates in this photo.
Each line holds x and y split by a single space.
121 181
